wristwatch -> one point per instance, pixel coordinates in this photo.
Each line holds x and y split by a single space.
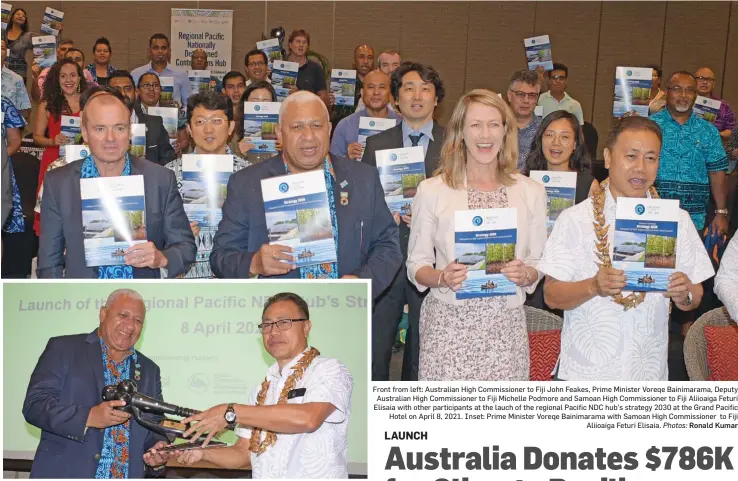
722 211
230 416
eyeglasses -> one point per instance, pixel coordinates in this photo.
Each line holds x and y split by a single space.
564 139
522 95
126 88
150 86
256 64
282 325
681 90
215 122
558 77
705 79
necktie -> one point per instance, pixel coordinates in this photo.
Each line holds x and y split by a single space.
415 139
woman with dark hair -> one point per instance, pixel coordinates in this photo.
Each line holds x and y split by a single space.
62 89
19 42
260 91
100 68
559 146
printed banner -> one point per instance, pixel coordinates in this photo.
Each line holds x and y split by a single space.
561 190
485 242
400 172
209 30
632 91
297 215
113 218
260 121
538 52
645 244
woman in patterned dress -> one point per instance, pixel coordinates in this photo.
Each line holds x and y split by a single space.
482 338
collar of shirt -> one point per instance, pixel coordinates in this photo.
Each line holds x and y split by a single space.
228 151
274 373
426 130
167 69
327 164
690 121
548 95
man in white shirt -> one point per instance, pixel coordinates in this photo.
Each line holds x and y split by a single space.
296 421
257 66
557 98
726 280
609 334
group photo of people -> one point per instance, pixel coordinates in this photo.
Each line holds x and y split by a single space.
526 207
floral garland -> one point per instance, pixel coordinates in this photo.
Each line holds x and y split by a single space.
602 247
297 372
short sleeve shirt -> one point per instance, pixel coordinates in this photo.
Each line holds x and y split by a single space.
310 77
14 89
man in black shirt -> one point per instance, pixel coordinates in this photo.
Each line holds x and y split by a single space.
310 76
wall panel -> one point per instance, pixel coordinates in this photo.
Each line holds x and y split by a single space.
730 80
364 22
314 17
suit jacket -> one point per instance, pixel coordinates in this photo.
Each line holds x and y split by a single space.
367 235
432 236
158 148
61 242
392 139
67 382
7 189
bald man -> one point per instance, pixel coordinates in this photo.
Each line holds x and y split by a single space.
363 64
365 234
170 246
725 121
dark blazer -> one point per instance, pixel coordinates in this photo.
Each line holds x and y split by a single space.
67 382
158 148
61 242
367 235
392 139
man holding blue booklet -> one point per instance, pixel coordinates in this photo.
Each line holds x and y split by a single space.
364 236
616 327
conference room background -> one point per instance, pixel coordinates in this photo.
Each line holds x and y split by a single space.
471 44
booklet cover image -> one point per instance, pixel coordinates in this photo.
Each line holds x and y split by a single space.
199 81
485 242
166 97
169 117
561 190
632 91
538 52
369 126
297 215
271 48
400 173
113 218
343 86
138 140
6 8
645 242
44 50
284 76
260 124
52 21
707 108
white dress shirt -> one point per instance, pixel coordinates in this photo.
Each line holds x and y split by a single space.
726 281
600 340
322 453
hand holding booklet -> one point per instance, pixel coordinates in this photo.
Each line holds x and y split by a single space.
71 127
52 22
298 216
44 50
284 77
485 242
707 108
561 190
645 242
369 126
113 218
400 173
538 52
632 91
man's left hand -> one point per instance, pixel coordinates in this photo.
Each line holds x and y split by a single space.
210 421
679 288
407 219
155 459
720 224
145 255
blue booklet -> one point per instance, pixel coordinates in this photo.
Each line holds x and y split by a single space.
271 48
645 242
260 124
561 191
632 91
284 76
400 172
6 9
343 86
369 126
138 140
44 50
538 52
71 127
298 216
52 21
199 81
113 218
485 242
707 108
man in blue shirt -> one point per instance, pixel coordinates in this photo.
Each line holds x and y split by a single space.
693 162
159 55
376 92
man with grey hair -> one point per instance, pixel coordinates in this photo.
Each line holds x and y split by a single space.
364 232
82 437
522 95
169 242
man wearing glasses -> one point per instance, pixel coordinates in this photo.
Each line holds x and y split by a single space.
296 421
725 121
257 65
149 91
522 95
557 98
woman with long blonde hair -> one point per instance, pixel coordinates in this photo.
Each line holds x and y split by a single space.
482 338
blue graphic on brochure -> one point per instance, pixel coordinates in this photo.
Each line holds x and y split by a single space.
166 97
297 215
485 242
71 127
44 50
645 242
400 172
369 126
113 218
707 108
271 48
52 22
538 52
632 91
260 124
561 190
343 86
138 140
284 76
199 81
